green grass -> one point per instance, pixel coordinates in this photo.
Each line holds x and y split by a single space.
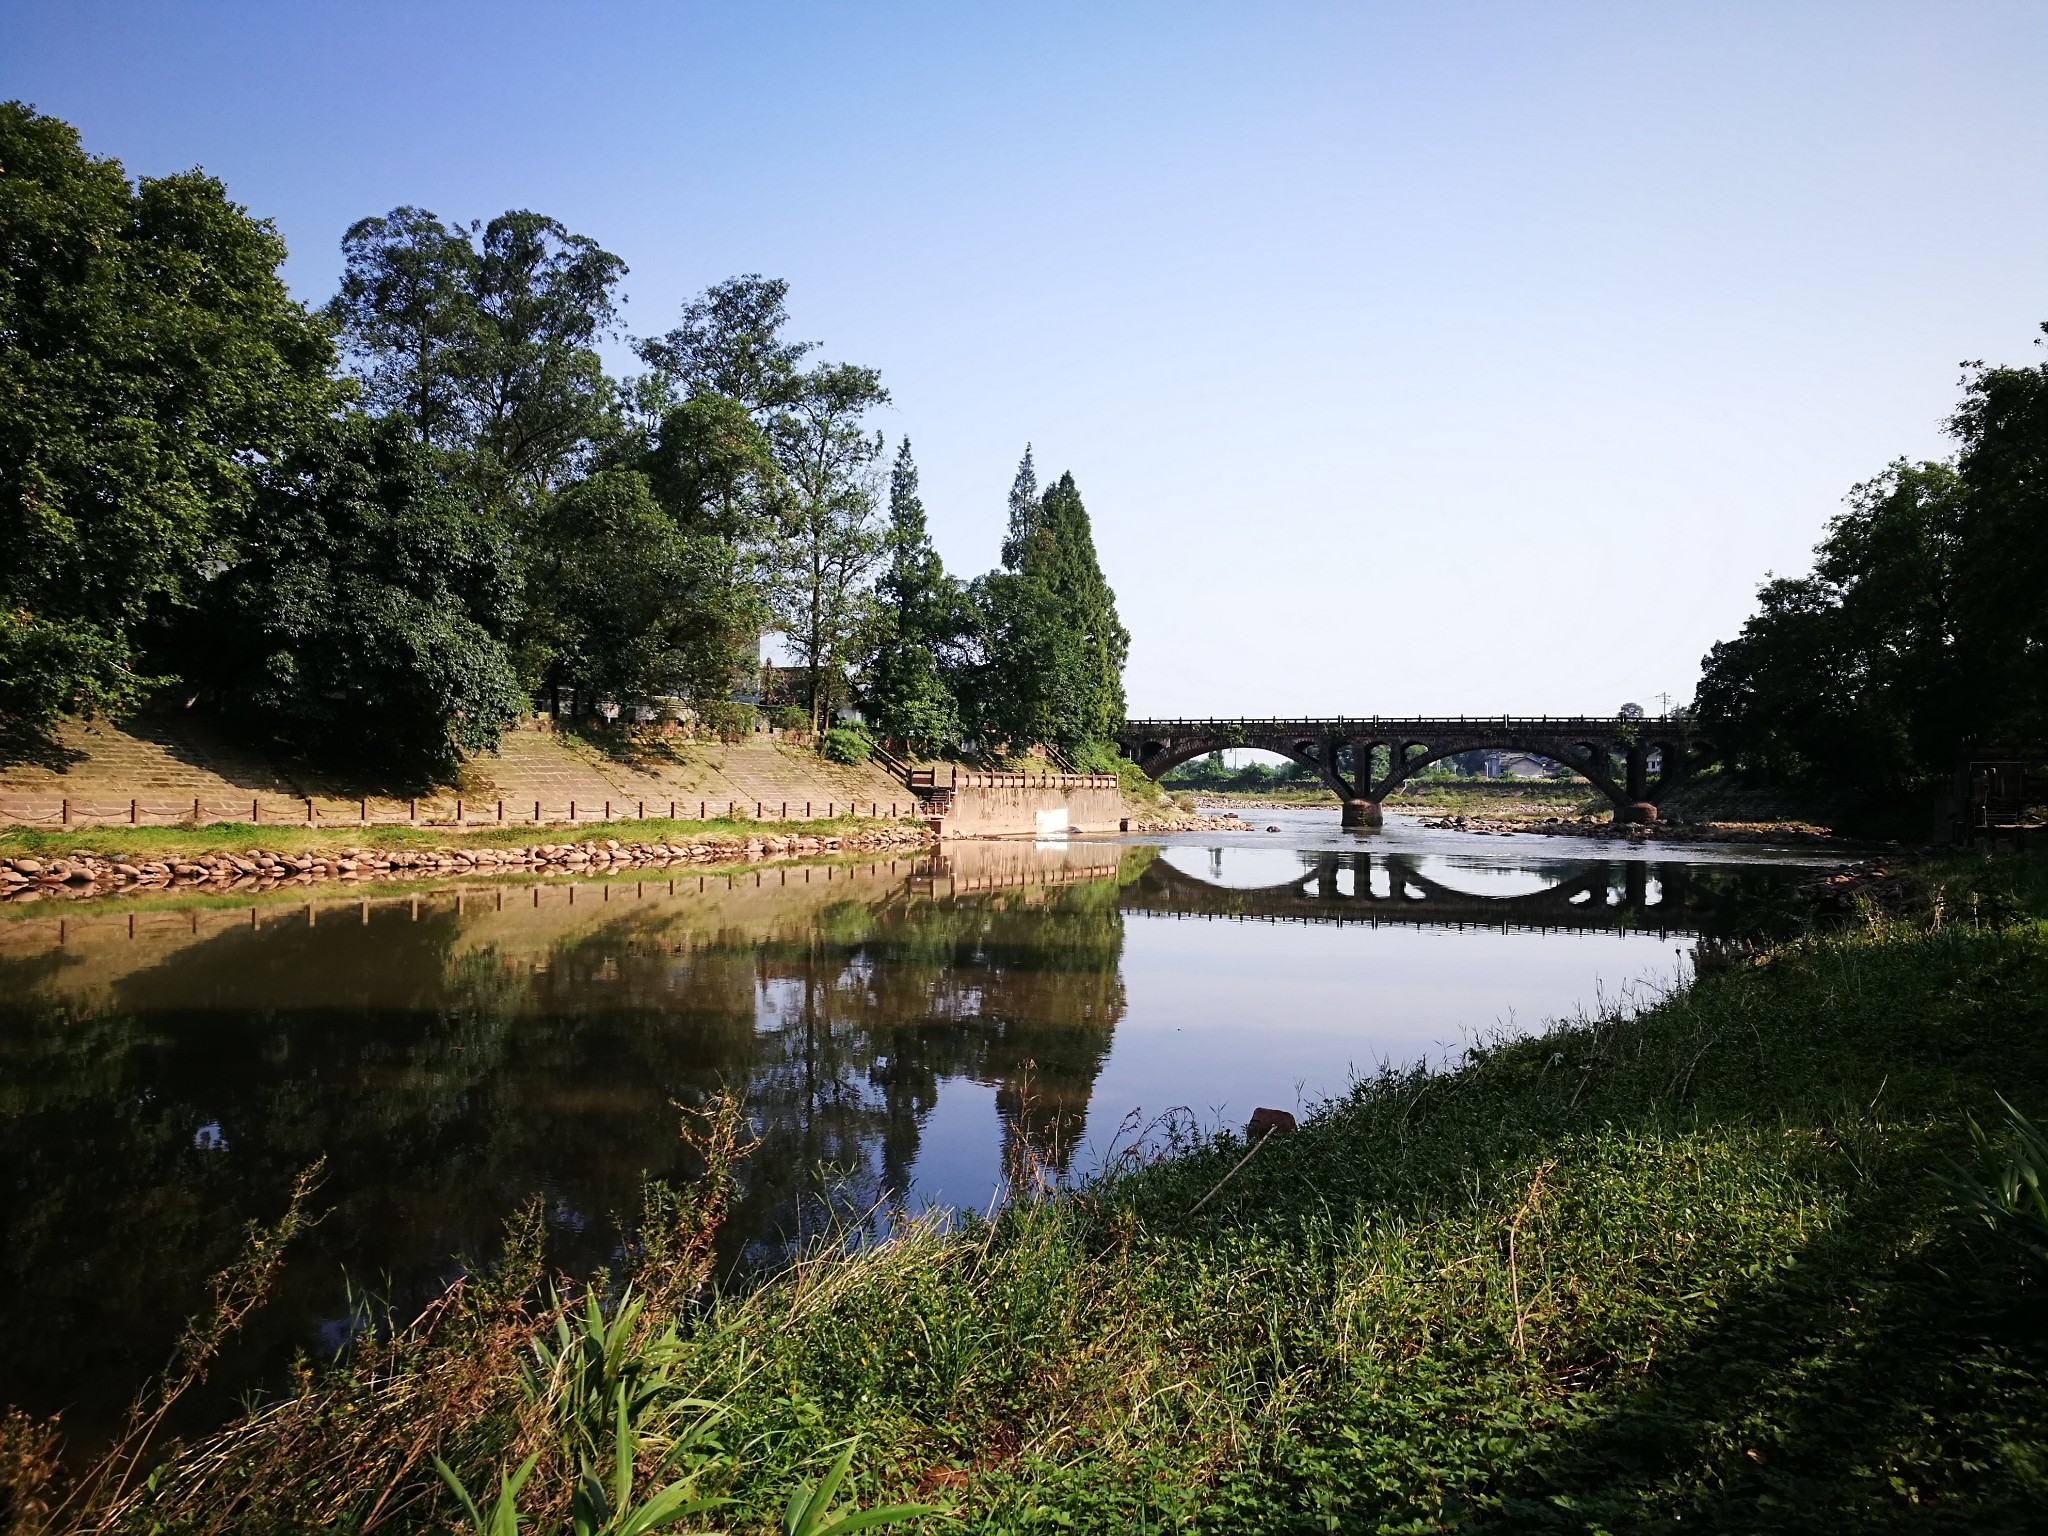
1702 1268
132 843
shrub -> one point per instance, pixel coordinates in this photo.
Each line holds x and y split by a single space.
846 744
729 719
791 717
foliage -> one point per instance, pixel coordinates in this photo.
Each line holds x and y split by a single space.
625 604
1053 649
828 542
2013 1202
1850 674
151 362
728 719
846 744
1924 621
482 339
918 629
363 615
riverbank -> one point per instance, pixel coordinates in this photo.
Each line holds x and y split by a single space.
1783 834
229 856
1691 1268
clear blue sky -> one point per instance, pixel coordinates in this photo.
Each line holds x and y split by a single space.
1467 357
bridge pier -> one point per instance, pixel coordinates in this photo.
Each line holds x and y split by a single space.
1363 814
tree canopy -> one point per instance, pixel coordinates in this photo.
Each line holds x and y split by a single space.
386 551
1923 624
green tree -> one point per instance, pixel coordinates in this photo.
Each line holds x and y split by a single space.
408 318
918 622
1052 648
2001 555
362 618
483 338
626 605
730 343
151 362
1850 676
829 540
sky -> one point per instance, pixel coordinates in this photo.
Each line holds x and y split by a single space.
1411 359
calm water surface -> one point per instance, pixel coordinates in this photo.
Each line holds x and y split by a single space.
901 1031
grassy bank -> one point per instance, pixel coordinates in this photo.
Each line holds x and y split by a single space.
1695 1269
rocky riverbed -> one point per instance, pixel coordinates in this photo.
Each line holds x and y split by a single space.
1782 834
258 869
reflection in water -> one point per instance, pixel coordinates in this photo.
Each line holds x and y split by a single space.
165 1072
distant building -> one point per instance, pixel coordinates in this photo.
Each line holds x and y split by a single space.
1515 765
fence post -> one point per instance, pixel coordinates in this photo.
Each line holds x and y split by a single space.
700 811
671 810
414 811
536 813
607 810
458 810
134 815
255 812
364 809
501 812
195 810
310 818
572 813
643 811
785 811
67 812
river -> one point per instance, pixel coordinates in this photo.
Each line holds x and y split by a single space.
904 1032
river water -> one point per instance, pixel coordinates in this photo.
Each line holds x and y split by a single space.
903 1032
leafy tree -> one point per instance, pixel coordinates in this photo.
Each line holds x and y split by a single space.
918 621
730 343
408 316
483 339
712 467
1053 650
1850 675
628 605
150 362
362 617
2001 553
829 540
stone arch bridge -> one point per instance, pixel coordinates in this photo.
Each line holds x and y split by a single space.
1611 753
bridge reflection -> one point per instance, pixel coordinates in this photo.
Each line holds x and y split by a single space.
1376 888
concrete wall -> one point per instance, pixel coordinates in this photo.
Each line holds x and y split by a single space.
1032 804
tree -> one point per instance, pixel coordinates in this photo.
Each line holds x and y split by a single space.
407 316
828 542
483 340
626 605
151 362
2001 551
363 617
730 343
1850 676
1053 650
917 620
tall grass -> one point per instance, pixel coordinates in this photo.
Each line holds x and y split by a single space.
1700 1267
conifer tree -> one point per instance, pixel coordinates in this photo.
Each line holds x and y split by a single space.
918 621
1054 649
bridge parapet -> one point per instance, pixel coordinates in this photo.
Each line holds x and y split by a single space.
1610 752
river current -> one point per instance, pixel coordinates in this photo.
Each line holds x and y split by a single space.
903 1032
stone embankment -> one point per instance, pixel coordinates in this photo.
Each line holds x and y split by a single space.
1799 834
84 875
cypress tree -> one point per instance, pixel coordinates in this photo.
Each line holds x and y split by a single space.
1055 649
907 695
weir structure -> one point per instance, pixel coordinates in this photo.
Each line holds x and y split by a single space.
1612 753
